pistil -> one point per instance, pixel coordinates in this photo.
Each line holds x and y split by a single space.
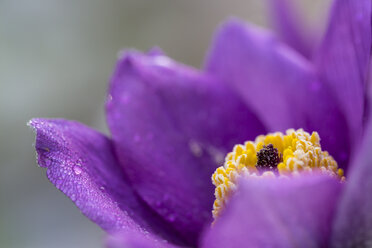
268 158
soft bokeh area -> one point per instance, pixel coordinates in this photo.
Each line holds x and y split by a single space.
56 58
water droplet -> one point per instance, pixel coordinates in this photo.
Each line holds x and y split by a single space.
195 148
59 182
162 61
77 169
73 197
217 155
102 188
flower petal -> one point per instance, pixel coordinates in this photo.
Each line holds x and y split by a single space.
172 126
288 24
353 224
343 58
279 85
81 163
135 239
275 212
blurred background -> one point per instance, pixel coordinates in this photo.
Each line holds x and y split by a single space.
55 59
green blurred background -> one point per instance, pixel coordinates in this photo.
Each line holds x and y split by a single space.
55 59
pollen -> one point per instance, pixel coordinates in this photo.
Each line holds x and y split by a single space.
273 155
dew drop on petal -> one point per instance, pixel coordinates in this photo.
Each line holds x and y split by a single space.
59 182
195 148
73 197
162 61
77 170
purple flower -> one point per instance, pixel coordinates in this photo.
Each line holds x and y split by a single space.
148 185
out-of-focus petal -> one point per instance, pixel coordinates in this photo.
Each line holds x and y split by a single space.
171 127
267 74
277 213
343 58
135 239
81 163
353 224
290 25
279 85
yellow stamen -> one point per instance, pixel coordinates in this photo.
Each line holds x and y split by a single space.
299 152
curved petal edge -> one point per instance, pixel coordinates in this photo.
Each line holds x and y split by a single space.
81 163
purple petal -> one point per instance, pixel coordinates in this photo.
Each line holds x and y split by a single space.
289 24
262 70
172 126
353 225
135 239
81 163
279 85
343 58
277 213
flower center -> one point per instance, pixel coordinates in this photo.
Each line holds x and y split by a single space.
268 157
274 155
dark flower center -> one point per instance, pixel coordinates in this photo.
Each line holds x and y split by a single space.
268 157
275 155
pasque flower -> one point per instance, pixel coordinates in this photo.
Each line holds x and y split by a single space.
149 183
